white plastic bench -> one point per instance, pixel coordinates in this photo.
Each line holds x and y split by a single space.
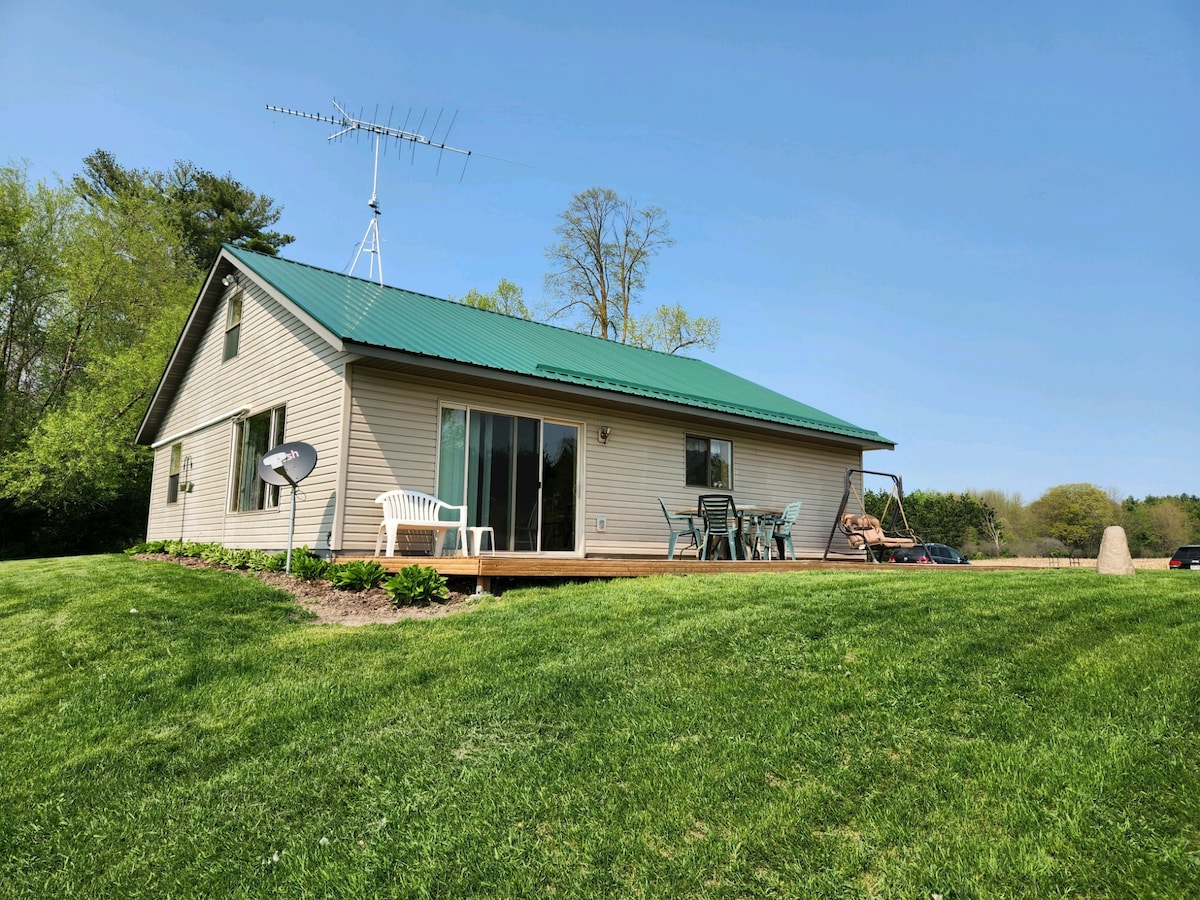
414 511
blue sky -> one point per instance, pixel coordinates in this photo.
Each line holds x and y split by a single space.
971 227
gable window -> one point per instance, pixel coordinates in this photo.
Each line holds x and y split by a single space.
173 473
709 463
255 436
233 325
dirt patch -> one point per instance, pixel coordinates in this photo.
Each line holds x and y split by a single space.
334 607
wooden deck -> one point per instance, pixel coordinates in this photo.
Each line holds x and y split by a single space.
515 565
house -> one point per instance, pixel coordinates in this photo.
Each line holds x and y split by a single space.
561 441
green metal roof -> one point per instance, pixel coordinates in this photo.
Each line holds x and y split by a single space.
372 315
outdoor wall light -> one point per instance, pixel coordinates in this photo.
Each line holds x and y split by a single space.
229 280
603 434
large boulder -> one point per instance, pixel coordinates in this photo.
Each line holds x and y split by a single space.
1114 556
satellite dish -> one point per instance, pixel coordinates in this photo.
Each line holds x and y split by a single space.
288 463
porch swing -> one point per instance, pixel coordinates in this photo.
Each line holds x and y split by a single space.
866 532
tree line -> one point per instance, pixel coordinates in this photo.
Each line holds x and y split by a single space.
1067 519
98 275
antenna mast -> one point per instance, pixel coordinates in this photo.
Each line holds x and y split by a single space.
347 123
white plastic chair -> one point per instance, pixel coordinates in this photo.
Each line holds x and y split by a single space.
414 511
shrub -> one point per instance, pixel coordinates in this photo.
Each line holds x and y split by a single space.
216 554
416 585
188 548
147 547
212 553
307 566
235 558
358 575
262 561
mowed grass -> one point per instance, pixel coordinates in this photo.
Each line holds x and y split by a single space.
859 734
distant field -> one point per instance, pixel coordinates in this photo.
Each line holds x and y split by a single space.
1041 562
176 732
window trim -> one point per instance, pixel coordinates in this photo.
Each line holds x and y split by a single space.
233 324
266 495
709 459
174 470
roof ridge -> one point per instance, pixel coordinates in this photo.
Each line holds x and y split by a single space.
458 303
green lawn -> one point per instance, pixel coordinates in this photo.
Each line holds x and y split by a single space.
858 734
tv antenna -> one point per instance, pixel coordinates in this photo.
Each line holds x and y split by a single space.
348 123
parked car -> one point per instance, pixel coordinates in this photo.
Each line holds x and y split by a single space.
929 553
1186 557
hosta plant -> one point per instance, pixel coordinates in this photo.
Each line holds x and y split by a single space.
415 585
307 566
358 575
262 561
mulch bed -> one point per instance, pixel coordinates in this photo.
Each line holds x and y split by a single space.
332 606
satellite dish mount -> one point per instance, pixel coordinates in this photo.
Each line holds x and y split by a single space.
288 463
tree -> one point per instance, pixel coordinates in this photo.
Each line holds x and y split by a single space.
1005 520
508 298
97 281
208 210
599 271
33 224
671 329
1169 524
1075 514
125 292
991 530
213 210
1157 525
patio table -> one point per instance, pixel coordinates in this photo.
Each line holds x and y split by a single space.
749 526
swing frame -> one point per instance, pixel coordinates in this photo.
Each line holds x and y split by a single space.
891 536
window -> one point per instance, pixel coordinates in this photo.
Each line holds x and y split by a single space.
173 473
233 325
709 463
255 436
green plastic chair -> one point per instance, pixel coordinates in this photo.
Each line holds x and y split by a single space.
720 521
779 531
680 525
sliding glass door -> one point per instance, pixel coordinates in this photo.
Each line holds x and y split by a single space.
558 486
514 473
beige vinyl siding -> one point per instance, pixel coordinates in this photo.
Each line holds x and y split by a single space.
393 443
644 460
393 433
279 362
